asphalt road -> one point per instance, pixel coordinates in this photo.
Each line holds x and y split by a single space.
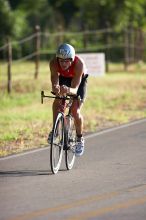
107 183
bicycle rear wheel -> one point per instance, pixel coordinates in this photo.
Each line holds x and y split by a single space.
57 142
71 140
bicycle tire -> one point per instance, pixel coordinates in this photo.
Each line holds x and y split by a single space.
57 143
71 140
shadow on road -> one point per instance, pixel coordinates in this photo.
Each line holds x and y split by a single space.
15 173
19 173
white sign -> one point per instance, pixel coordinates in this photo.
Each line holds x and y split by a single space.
95 63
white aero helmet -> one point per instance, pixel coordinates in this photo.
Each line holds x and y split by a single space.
65 51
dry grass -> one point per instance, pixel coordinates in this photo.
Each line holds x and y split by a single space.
24 122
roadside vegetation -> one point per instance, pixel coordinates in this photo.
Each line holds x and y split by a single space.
112 100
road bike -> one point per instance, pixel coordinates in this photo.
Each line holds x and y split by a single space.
63 138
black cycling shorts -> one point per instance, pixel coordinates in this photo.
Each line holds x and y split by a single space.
82 87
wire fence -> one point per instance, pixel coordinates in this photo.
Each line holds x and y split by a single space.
126 47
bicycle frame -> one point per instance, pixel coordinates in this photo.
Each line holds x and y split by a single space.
62 107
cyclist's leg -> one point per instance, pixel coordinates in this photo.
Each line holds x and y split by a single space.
62 81
77 105
78 117
55 108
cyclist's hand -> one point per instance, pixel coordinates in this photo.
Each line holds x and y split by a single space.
64 90
56 89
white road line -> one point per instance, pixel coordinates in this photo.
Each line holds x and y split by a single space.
24 153
86 137
115 128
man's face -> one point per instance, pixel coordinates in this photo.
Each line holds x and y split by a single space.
65 63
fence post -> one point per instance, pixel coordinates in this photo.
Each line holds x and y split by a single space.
9 60
139 45
107 52
142 47
85 39
60 38
132 45
126 50
37 46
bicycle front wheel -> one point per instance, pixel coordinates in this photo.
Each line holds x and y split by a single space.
71 141
57 143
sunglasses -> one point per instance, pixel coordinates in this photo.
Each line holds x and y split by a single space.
64 60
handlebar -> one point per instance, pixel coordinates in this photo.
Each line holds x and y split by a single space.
54 97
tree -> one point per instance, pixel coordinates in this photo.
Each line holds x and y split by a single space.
117 13
65 10
6 21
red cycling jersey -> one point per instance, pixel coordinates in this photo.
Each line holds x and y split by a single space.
70 71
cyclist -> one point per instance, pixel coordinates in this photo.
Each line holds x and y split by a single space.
69 76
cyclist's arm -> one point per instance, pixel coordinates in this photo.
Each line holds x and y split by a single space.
54 76
77 78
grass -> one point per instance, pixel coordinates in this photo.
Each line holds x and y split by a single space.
114 99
